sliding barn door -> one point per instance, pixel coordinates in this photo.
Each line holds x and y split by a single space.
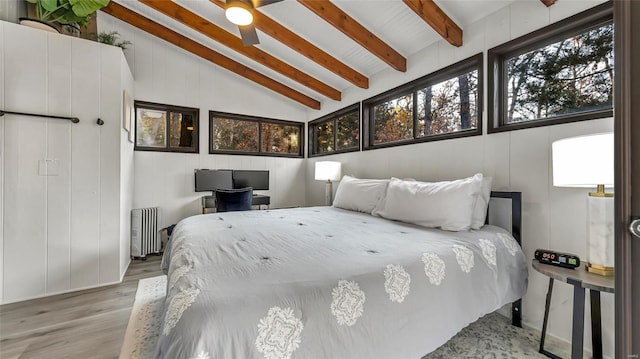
627 183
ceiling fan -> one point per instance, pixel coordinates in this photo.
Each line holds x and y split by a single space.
240 12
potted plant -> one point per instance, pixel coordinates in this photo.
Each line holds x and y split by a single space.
74 13
112 38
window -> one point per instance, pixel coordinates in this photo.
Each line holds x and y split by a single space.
337 132
247 135
444 104
561 73
166 128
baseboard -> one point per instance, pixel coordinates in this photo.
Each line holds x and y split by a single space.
61 292
126 268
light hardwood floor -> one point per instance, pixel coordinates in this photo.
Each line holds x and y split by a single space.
85 324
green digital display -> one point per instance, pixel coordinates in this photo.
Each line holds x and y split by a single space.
573 261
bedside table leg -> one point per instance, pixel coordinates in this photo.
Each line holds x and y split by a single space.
547 305
577 334
596 327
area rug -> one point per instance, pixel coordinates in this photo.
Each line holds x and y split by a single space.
144 323
491 336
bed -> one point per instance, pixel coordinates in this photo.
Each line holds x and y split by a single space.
324 282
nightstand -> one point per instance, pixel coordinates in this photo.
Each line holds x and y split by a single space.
581 280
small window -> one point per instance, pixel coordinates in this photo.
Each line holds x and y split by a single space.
247 135
337 132
166 128
444 104
561 73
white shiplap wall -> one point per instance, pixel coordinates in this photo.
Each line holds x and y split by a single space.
61 232
553 218
166 74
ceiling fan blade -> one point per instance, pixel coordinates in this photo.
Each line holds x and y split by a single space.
249 35
258 3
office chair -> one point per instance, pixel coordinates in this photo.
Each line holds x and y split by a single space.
228 200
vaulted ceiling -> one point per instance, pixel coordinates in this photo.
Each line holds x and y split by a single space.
310 51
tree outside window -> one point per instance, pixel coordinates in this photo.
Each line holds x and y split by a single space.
247 135
337 132
166 128
444 104
558 74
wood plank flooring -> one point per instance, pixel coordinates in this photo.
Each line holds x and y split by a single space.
84 324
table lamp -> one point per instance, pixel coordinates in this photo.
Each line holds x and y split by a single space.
587 161
328 171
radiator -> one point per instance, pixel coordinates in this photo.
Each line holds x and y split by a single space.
145 231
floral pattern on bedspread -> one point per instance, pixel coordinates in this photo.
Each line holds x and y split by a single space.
434 268
464 256
396 283
348 302
177 274
279 333
509 243
488 251
179 303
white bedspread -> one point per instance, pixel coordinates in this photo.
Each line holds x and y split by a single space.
322 282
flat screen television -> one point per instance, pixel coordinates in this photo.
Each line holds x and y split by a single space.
259 180
211 180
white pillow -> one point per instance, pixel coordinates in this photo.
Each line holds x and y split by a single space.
360 195
448 205
480 209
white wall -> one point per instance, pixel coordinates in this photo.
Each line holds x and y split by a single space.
60 232
126 178
10 10
164 73
553 218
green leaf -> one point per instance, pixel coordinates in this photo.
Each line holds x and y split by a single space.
49 5
32 1
84 8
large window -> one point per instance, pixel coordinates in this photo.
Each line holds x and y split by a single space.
247 135
166 128
445 104
337 132
558 74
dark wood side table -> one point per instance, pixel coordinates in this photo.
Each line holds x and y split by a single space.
581 280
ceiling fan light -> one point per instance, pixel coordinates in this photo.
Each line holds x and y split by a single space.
239 13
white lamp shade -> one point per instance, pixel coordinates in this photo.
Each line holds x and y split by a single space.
584 161
328 170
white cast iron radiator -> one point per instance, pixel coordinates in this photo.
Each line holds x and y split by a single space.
145 231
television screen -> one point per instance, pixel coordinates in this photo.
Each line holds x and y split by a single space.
210 180
259 180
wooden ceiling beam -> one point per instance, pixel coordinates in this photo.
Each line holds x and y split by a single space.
304 47
548 3
431 13
155 29
226 38
358 33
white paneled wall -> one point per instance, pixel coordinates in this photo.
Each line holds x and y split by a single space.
61 183
164 73
553 218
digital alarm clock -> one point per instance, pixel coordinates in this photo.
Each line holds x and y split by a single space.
557 259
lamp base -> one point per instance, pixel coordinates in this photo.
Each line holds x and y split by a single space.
600 270
328 193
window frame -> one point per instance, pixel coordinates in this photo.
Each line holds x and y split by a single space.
195 112
473 63
593 18
356 107
260 121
